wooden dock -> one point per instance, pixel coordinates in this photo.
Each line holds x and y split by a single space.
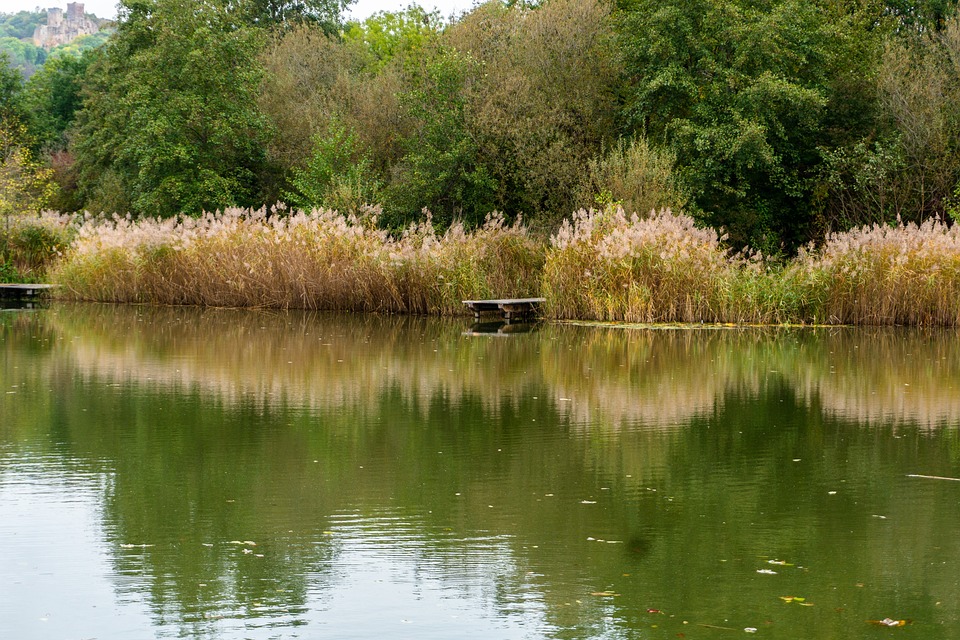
24 291
510 308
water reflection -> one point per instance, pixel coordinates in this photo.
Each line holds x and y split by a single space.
621 377
248 472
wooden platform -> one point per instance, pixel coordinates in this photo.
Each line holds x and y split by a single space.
24 291
510 308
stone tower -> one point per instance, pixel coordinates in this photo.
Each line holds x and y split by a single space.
62 29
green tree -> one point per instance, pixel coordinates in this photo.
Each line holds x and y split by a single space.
52 95
545 101
170 122
745 94
441 168
11 88
338 174
388 35
282 13
20 25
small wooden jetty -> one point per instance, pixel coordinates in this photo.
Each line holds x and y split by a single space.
24 292
510 308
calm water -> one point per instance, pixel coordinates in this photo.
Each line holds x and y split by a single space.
231 474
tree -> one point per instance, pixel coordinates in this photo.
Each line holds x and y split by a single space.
441 169
11 88
744 93
170 122
52 95
284 13
25 185
543 103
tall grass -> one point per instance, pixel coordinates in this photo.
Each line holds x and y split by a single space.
315 260
600 265
907 274
605 265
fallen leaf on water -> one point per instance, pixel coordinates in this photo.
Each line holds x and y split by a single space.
605 594
889 622
792 598
654 611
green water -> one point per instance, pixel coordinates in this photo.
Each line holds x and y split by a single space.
233 474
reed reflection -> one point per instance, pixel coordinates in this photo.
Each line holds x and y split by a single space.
620 377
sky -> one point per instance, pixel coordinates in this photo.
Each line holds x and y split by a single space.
359 9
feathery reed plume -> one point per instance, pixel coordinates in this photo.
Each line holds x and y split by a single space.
311 260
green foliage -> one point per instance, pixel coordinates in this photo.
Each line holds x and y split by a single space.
23 54
387 35
79 46
170 123
11 89
742 93
53 96
337 175
8 272
440 169
544 103
21 24
634 175
25 185
284 13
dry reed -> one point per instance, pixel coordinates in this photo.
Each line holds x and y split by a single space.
906 274
601 265
315 260
605 265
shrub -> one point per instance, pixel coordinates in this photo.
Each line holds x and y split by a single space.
29 244
636 176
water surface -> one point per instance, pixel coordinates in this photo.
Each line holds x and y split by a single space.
241 474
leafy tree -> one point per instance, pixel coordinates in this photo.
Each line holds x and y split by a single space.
170 122
544 101
388 35
11 88
338 174
23 54
25 185
52 95
441 169
743 93
284 13
21 24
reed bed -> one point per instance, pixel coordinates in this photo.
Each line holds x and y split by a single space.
309 260
906 274
600 265
605 265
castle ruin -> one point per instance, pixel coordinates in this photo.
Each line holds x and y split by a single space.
61 29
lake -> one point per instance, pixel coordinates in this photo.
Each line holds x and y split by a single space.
169 473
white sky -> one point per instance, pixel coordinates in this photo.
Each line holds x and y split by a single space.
359 9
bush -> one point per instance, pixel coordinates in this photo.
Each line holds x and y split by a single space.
635 176
30 244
